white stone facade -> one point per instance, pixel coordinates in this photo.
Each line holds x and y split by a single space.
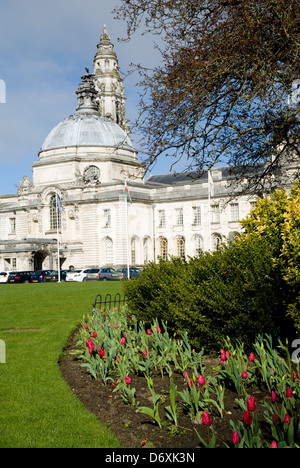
85 160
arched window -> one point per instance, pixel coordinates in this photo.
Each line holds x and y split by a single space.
233 236
55 213
146 249
109 258
216 241
198 244
180 247
133 251
163 248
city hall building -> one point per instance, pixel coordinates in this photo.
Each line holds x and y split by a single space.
75 206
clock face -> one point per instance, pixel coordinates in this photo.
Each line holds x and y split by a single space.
92 172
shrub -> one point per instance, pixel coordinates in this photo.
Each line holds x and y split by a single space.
235 292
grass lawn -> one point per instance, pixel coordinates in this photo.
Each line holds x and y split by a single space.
38 409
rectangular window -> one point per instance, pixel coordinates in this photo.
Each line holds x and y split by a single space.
179 217
14 263
107 218
196 215
161 218
215 213
12 225
234 212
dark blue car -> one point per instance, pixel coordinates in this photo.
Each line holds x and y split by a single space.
43 276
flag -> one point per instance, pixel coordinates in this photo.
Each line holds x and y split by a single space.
210 183
127 192
58 203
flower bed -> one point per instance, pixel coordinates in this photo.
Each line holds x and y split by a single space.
117 350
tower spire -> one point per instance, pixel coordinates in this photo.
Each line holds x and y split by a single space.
108 82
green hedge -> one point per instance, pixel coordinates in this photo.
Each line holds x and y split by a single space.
235 292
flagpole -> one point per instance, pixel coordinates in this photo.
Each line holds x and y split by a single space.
127 233
209 211
58 251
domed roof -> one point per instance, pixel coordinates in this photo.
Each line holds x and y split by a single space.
86 127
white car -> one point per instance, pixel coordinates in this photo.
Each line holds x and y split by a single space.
77 275
4 276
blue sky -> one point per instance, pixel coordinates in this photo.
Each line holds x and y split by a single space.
44 49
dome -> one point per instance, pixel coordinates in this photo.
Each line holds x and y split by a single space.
85 129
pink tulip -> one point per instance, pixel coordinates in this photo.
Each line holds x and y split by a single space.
201 380
251 357
158 329
247 420
273 444
85 326
244 375
127 380
191 383
148 332
235 438
122 341
251 403
273 396
116 325
144 353
206 421
95 334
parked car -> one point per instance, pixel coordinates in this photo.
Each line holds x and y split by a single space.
43 276
19 277
4 276
77 275
63 274
92 274
134 272
109 274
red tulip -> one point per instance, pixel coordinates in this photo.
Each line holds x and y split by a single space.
101 352
206 421
251 403
273 396
191 383
289 393
158 329
85 326
251 357
247 420
275 418
235 438
144 353
287 418
148 332
201 380
127 380
244 375
95 334
90 344
273 444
